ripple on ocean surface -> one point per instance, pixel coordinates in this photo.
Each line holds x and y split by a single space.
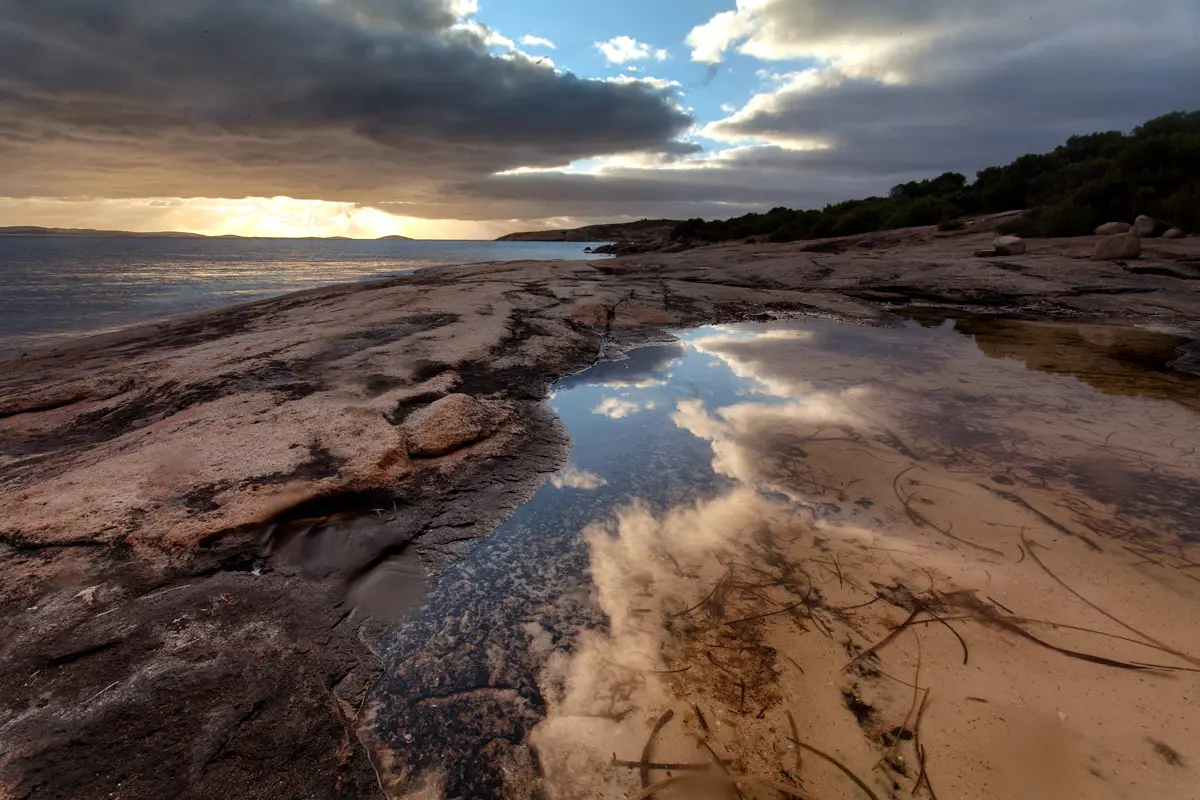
56 288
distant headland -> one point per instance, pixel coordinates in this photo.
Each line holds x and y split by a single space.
35 230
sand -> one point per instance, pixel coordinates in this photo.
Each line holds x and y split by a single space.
950 588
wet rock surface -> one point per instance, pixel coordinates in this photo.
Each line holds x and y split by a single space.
252 467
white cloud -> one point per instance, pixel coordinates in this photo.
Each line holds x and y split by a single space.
537 41
895 41
620 49
573 477
949 84
727 108
657 83
619 408
490 37
710 40
642 383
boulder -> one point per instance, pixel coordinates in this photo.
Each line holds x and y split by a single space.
446 425
1175 233
1149 227
1113 228
1009 246
1118 247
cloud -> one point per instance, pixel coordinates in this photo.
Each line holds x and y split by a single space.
894 91
537 41
415 108
710 40
867 31
619 408
620 49
574 478
967 119
657 83
650 363
357 100
729 183
247 216
600 690
919 101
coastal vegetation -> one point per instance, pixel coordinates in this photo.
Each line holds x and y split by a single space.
1088 181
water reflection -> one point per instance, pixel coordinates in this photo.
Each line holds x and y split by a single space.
708 588
1112 359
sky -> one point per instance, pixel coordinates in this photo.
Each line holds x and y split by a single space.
474 118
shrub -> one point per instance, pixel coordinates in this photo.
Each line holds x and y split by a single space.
924 211
1024 226
1067 219
861 220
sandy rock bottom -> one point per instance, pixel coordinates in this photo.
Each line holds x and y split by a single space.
807 557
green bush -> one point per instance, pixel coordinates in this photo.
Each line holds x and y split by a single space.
864 219
1067 219
1024 225
923 211
947 225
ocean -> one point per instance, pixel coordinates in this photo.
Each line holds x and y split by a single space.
57 289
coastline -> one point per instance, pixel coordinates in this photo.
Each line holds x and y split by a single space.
151 464
56 289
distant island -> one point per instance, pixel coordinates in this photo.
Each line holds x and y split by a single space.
35 230
642 230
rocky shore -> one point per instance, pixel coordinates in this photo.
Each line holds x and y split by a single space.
205 523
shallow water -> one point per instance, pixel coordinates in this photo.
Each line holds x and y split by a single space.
750 506
55 288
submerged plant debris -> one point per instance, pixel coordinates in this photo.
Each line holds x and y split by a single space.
810 558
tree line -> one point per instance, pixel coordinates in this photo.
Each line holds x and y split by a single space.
1090 180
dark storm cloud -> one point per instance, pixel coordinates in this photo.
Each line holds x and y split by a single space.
397 104
943 85
734 183
933 85
1028 101
312 98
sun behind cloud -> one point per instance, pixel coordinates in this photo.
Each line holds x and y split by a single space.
283 217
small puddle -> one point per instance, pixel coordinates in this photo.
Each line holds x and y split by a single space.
712 584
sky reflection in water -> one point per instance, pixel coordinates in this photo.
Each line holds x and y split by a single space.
735 457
